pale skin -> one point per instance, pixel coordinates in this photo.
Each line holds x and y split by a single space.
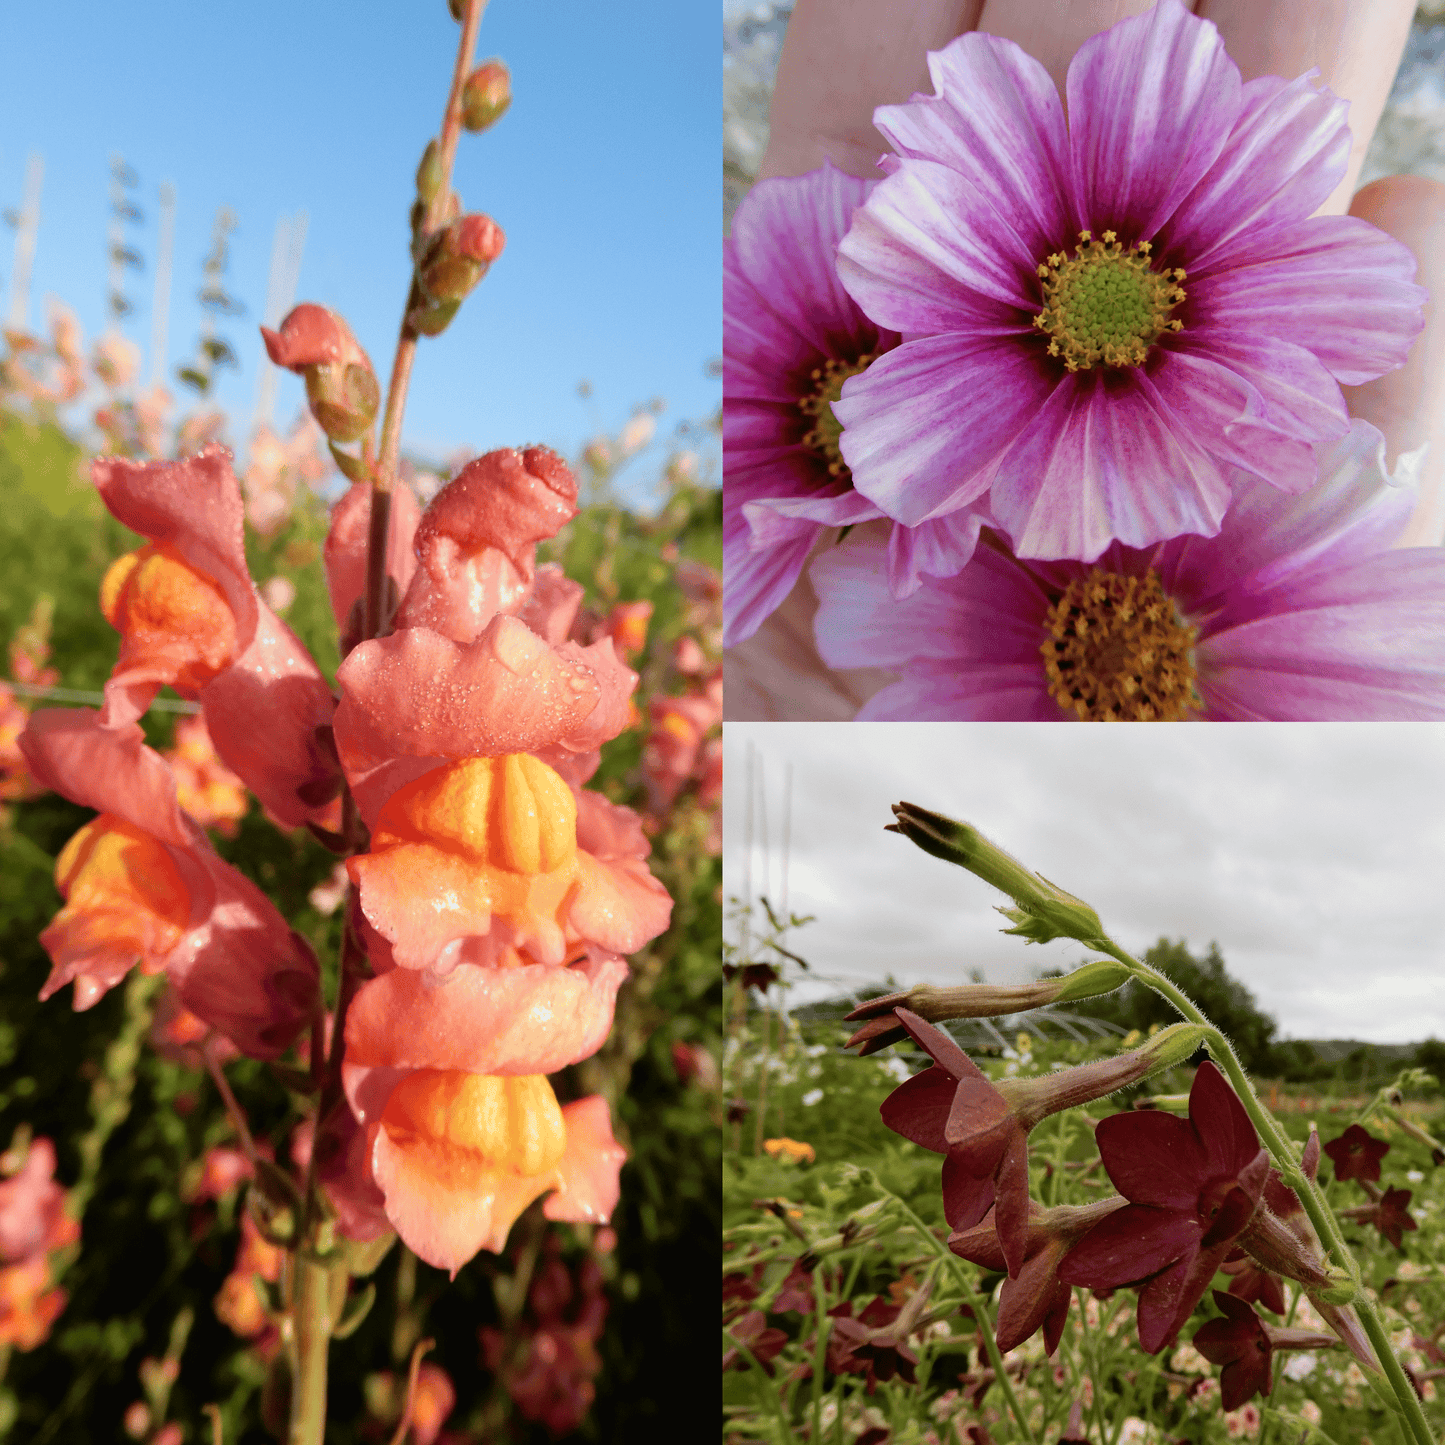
842 58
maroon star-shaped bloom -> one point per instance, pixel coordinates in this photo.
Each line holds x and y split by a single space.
762 1342
1035 1298
1192 1185
1255 1285
1356 1154
1388 1214
1244 1345
871 1345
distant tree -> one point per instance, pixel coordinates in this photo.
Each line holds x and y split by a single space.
1431 1055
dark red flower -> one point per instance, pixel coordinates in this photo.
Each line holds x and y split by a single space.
874 1344
740 1289
763 1343
1035 1298
1388 1214
1356 1154
1255 1285
983 1128
1244 1345
761 976
1192 1186
796 1293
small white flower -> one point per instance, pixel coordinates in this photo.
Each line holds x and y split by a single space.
1300 1366
812 1097
1414 1176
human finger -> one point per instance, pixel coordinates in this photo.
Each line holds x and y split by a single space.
1356 44
843 58
1408 404
1052 30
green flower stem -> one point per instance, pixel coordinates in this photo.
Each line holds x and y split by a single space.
311 1325
1321 1216
980 1311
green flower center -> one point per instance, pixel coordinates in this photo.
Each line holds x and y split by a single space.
817 406
1117 651
1106 304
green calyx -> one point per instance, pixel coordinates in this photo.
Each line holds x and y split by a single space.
1101 975
1106 304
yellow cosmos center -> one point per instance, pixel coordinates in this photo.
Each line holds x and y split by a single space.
512 813
505 1123
1117 651
1106 304
817 406
172 617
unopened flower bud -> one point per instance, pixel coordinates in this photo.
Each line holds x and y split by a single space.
457 257
429 172
1044 910
341 385
486 96
979 1000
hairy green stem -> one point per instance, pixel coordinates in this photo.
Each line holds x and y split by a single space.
1283 1153
311 1324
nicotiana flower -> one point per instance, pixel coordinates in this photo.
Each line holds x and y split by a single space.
1112 317
1244 1345
791 337
1356 1154
1192 1185
1298 611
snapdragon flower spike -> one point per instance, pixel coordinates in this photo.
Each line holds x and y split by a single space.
1118 304
982 1126
1356 1154
1034 1298
1244 1345
142 883
1192 1185
977 1000
341 385
190 617
1300 610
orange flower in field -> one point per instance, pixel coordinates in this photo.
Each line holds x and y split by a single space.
789 1151
27 1307
206 788
237 1305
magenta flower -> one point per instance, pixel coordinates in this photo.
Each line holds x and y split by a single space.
791 337
1298 611
1192 1185
1114 317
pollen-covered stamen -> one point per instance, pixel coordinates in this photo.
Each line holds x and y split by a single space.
1106 303
827 383
1118 652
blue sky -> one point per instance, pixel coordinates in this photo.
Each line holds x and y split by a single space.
603 175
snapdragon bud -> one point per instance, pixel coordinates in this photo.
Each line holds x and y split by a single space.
429 173
1044 910
455 258
341 385
486 96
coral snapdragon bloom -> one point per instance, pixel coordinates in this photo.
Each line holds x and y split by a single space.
190 617
1119 304
33 1220
1192 1185
143 884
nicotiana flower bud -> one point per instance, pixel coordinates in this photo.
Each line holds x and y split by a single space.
487 94
1044 911
455 258
979 1000
341 384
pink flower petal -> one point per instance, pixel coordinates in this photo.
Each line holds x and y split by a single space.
531 1020
1008 141
926 422
589 1168
1151 103
345 551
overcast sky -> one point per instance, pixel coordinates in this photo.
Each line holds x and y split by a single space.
1312 853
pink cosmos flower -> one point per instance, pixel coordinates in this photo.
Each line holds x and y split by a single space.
791 335
1116 314
142 883
1296 611
189 616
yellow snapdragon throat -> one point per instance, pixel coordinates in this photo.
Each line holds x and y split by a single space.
1118 652
828 382
1106 304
